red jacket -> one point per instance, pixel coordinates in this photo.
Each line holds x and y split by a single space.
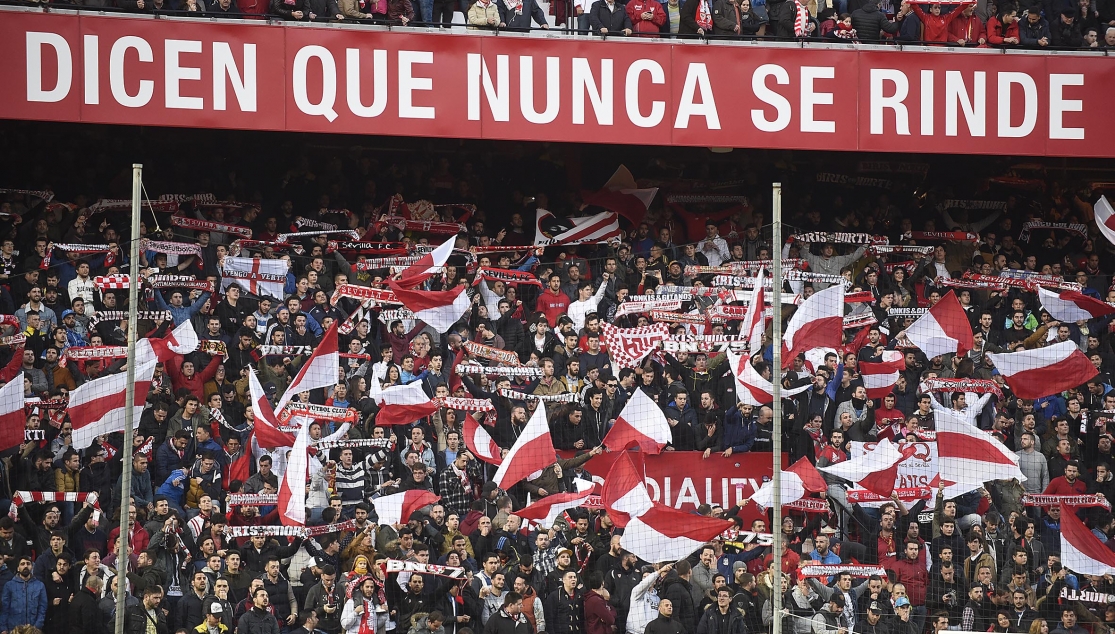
651 27
552 305
600 617
1061 486
913 575
196 383
996 31
936 27
970 29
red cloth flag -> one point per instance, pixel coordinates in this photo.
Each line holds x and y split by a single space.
1044 371
944 329
480 442
532 451
817 323
641 424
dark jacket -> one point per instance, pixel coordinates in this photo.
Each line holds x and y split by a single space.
286 8
680 594
502 623
615 20
324 9
256 622
1066 35
662 625
136 619
710 622
85 613
521 19
724 18
565 614
869 21
1029 34
689 17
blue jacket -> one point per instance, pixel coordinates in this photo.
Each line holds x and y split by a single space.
175 493
738 434
182 314
24 603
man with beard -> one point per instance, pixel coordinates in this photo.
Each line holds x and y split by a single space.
414 601
24 599
259 619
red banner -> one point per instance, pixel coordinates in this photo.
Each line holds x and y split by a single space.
134 70
685 480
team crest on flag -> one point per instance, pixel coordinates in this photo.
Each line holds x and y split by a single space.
629 346
552 230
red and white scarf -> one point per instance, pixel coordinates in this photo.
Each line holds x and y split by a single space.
196 224
505 357
506 276
19 498
74 248
704 15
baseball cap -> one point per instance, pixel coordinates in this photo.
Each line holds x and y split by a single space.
215 608
66 313
902 602
874 607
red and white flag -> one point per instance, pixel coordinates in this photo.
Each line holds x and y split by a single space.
875 470
321 370
427 265
796 481
552 231
266 429
12 418
439 309
629 346
404 414
817 323
969 455
532 451
1081 551
480 442
751 387
622 195
409 394
1105 218
98 407
625 493
397 508
1073 306
879 378
259 276
944 329
547 510
292 488
641 424
754 323
666 534
182 340
1044 371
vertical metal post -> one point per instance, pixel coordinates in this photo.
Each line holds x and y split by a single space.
776 423
129 409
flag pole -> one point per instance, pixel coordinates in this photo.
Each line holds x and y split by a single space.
129 408
776 406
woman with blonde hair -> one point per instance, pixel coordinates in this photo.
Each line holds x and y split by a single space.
1039 626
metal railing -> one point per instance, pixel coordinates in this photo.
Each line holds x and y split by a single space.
559 31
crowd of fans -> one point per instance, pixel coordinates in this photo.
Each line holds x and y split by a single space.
1007 24
980 562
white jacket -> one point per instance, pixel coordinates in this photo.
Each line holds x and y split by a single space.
644 605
